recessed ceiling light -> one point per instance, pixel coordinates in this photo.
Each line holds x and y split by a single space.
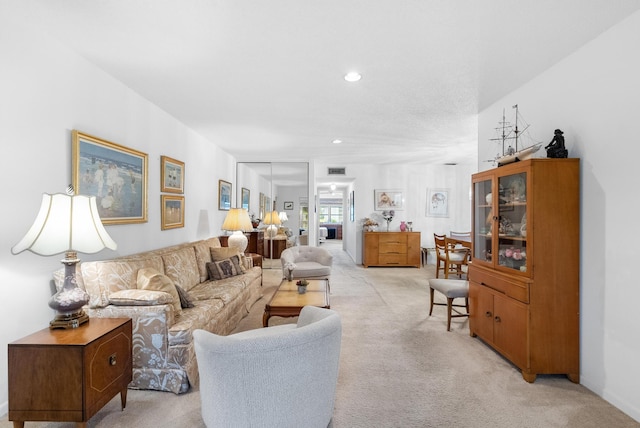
337 141
352 76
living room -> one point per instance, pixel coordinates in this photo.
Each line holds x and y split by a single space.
48 90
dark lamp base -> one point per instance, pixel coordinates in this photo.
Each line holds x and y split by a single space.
67 321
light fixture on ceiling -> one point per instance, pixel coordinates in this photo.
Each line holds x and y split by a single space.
352 76
336 141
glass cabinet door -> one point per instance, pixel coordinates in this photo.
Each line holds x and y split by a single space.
483 220
512 222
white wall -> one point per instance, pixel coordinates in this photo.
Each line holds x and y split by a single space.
593 96
45 92
414 181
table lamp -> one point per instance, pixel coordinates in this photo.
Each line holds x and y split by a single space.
67 224
273 221
238 222
283 217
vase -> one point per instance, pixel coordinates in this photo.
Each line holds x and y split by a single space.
302 289
403 226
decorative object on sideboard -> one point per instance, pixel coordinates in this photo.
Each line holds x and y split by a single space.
388 217
410 226
556 149
237 221
369 225
69 224
403 226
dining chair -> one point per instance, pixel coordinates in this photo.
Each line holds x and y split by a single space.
451 255
463 236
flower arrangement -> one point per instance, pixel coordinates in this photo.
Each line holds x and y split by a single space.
302 282
512 257
388 216
255 222
369 225
289 266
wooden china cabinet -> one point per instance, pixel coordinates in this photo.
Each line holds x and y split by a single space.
524 277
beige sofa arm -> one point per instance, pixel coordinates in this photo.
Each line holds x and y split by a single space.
150 325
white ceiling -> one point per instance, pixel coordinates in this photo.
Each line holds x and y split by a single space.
264 79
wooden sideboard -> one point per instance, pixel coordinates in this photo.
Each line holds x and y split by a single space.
391 249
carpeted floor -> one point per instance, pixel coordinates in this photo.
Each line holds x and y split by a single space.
398 368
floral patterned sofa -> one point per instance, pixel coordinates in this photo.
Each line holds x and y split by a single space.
163 353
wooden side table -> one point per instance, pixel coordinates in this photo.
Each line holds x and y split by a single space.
68 375
257 258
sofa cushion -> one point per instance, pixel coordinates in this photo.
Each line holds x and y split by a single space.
140 298
182 268
151 279
223 253
224 268
101 278
185 299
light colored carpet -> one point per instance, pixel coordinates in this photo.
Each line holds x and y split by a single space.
398 368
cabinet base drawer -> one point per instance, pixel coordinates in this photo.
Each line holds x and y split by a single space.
511 287
392 259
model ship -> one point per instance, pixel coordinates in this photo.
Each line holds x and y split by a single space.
514 147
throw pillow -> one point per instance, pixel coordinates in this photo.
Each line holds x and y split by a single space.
151 279
223 253
185 299
223 269
139 298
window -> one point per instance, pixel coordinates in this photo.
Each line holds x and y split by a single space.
330 214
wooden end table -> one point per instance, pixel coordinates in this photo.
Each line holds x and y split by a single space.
287 302
68 375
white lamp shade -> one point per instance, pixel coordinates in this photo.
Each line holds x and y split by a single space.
283 216
66 223
237 219
272 218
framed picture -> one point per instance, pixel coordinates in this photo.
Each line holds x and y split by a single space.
352 207
288 205
388 199
437 202
171 175
172 210
114 174
262 210
224 195
246 193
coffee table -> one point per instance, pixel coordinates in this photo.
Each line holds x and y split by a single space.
287 302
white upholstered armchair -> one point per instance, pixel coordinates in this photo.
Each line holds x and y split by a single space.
281 376
307 262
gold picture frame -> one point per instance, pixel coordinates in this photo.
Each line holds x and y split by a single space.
172 211
116 175
171 175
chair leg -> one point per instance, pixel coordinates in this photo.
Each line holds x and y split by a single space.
431 306
449 308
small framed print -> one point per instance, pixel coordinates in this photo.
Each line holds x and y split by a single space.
438 203
288 205
172 211
224 195
171 175
388 199
246 193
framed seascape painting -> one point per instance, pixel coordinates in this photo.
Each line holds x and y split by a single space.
224 195
171 175
172 211
114 174
438 203
388 199
288 205
246 193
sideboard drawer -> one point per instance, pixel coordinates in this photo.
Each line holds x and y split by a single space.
393 259
509 286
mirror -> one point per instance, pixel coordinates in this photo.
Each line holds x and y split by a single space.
274 192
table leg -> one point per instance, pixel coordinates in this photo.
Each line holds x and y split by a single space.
18 424
265 318
123 397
